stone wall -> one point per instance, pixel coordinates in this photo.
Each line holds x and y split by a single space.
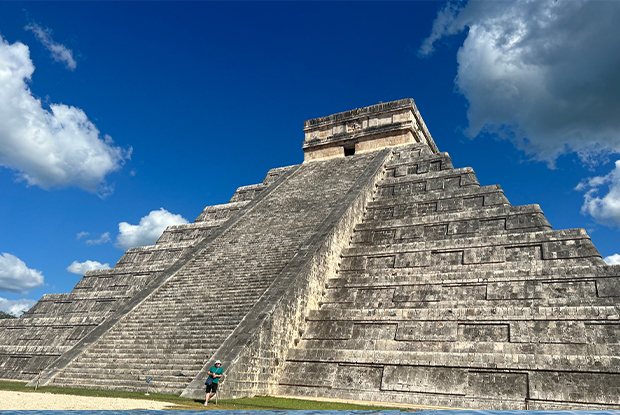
256 368
449 296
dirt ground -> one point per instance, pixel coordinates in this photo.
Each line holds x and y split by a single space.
41 401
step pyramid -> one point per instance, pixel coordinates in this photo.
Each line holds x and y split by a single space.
373 271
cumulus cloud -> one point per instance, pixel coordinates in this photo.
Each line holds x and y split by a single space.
612 259
59 147
148 230
80 235
604 209
81 268
16 277
543 74
104 238
60 53
16 307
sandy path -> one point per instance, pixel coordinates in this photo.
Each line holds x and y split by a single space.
40 401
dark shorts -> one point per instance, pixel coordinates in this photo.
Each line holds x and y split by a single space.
212 388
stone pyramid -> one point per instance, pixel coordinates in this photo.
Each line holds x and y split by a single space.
373 271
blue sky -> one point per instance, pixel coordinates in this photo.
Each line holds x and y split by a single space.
119 118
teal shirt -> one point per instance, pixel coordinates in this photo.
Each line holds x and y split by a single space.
216 371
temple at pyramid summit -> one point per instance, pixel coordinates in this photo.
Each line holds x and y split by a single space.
374 270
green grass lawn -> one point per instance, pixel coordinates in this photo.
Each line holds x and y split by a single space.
258 402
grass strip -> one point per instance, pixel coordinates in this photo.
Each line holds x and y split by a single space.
257 402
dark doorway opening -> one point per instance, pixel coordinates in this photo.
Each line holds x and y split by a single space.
349 151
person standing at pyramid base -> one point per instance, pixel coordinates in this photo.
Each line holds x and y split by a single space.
215 373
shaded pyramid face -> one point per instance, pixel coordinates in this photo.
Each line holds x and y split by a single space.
373 271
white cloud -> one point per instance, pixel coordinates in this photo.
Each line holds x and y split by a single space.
104 238
16 277
148 230
16 307
606 209
80 235
612 259
81 268
60 53
59 147
543 74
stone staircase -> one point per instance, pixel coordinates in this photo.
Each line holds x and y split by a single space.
450 296
174 332
57 322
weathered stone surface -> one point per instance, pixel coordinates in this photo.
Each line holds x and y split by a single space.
382 275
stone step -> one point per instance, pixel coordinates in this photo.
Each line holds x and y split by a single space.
545 270
159 369
127 371
460 223
445 180
463 313
479 345
397 167
469 197
473 250
499 360
554 294
141 358
123 385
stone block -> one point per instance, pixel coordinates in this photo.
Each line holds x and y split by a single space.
525 221
578 248
374 298
446 205
435 231
409 232
523 253
329 330
435 184
493 226
427 331
427 208
484 255
497 385
603 388
383 236
513 290
358 378
495 199
608 287
373 331
413 259
435 165
400 211
483 332
382 213
418 293
380 262
569 289
452 183
315 374
548 331
350 263
423 167
463 227
362 237
421 379
473 202
603 333
435 293
400 171
447 258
